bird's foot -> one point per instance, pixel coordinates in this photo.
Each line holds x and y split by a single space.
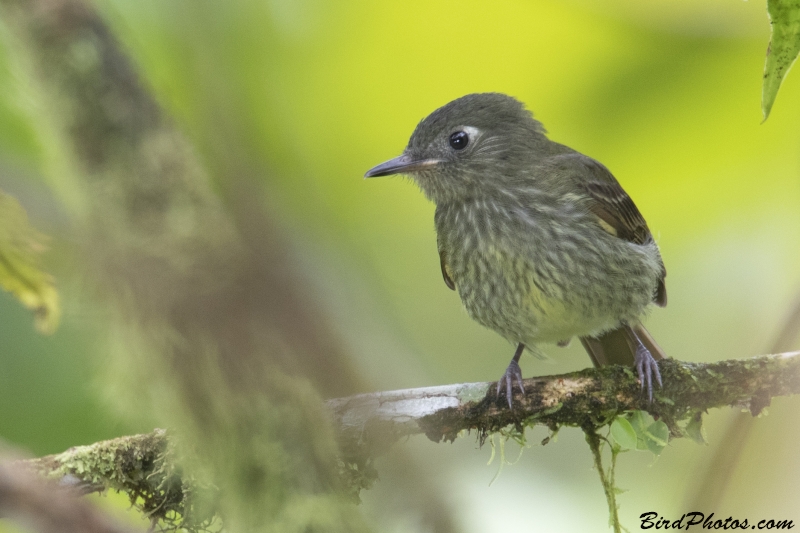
646 367
513 373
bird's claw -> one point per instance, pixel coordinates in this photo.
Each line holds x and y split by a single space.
512 373
646 367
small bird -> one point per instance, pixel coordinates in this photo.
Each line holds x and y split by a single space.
540 241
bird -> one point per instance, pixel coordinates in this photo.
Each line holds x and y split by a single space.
541 242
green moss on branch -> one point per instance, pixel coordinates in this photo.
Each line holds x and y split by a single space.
592 398
142 466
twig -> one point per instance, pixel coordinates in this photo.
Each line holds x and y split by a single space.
606 478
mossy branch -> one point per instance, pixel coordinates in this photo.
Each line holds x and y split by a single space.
588 398
144 467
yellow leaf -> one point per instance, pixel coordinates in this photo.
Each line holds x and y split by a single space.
20 246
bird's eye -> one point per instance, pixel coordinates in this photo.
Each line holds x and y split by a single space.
459 140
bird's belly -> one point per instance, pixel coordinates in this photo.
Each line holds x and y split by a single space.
536 302
531 316
552 321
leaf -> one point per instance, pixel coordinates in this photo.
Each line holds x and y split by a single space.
650 435
623 434
20 246
639 422
554 409
695 430
783 47
657 437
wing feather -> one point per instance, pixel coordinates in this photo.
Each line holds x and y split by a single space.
448 279
615 211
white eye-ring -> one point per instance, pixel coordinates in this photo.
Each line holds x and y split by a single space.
462 137
472 132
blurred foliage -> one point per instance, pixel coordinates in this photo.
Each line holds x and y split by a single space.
784 44
222 342
665 93
20 274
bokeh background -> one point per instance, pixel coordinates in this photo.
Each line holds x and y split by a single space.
666 94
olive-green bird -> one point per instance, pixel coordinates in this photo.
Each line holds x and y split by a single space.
541 242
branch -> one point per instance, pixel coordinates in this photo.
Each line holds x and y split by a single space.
44 508
587 398
143 465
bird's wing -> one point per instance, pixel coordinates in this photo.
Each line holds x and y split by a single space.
615 211
448 279
612 205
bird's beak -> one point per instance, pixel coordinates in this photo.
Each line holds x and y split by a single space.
401 165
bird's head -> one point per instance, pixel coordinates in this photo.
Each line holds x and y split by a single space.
468 147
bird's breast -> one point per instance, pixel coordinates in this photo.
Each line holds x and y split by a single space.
538 278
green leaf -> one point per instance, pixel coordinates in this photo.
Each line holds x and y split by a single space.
554 409
695 430
783 47
20 246
639 421
650 435
623 433
657 437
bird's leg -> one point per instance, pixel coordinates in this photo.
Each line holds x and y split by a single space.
513 372
646 365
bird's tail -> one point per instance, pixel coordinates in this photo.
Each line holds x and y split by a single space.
614 347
